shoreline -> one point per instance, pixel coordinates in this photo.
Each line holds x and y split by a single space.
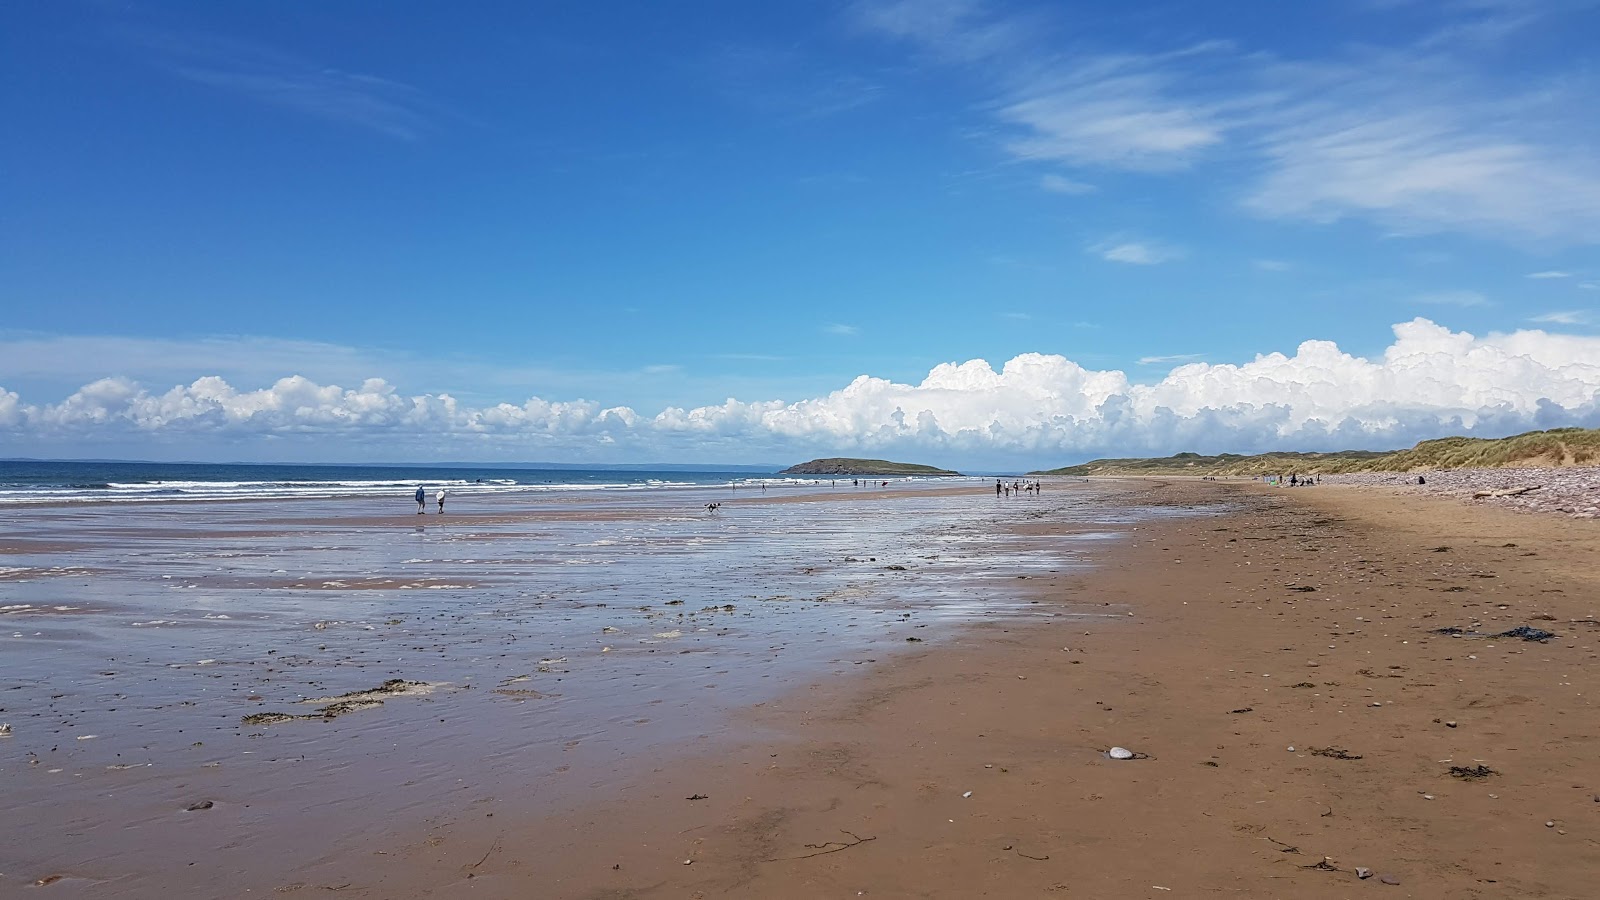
1235 652
1203 650
162 658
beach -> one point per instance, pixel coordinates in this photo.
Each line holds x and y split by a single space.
328 678
1271 657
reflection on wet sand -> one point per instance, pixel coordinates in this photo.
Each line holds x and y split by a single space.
212 698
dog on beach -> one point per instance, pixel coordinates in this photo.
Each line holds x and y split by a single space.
713 507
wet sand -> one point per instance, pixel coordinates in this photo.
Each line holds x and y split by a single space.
971 763
976 768
527 657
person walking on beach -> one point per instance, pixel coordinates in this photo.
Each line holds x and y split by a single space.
997 487
440 497
422 497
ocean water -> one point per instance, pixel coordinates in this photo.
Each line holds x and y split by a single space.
57 482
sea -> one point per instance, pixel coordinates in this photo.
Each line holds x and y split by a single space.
44 481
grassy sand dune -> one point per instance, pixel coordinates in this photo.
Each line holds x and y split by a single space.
1557 447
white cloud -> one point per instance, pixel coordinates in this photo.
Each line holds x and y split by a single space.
1567 317
842 330
952 30
1138 253
1454 298
247 358
1272 265
1058 184
1159 360
267 75
1430 381
1550 274
1421 170
1418 137
1113 112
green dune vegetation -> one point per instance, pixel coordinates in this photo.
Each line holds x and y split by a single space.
846 466
1556 447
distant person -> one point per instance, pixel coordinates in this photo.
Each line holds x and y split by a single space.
997 487
422 498
1421 480
440 497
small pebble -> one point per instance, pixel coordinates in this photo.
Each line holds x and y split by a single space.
1388 879
1549 824
1291 749
1450 724
1363 872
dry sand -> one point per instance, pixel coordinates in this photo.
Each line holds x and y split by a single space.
1303 620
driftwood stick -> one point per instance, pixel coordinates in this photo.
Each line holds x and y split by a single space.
829 847
1506 492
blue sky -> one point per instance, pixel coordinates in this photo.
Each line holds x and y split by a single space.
646 207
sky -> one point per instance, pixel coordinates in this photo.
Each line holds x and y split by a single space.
974 234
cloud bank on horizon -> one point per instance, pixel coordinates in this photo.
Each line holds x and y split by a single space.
1431 381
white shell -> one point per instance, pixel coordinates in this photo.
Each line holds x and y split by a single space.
1120 753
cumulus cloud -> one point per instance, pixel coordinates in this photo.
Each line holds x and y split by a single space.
1430 381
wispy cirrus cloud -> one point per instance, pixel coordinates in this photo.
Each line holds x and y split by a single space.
783 82
1060 184
1170 358
1114 112
1549 275
1565 317
278 78
1136 252
1417 137
842 330
1465 299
